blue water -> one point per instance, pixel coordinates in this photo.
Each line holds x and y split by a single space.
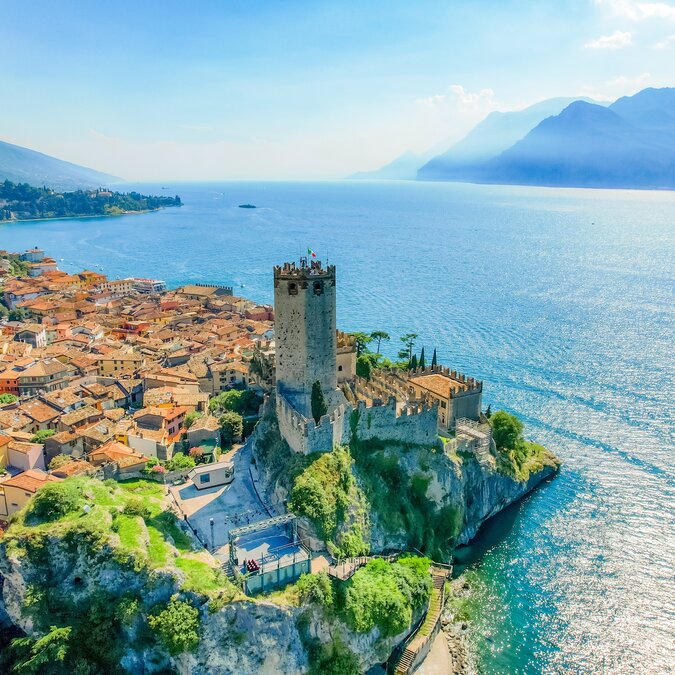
561 300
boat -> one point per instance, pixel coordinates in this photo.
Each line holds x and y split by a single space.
247 206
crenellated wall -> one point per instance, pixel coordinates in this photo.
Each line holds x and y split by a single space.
414 423
305 436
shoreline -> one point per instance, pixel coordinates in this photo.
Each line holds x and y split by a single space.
97 215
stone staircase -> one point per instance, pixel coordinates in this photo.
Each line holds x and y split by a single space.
229 570
423 634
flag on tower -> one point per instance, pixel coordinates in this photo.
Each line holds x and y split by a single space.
310 252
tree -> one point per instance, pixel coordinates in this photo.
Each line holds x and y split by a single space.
434 360
41 435
42 655
177 626
409 341
364 367
413 362
55 500
319 407
488 412
196 453
507 430
231 426
361 340
422 362
242 401
8 398
191 418
380 335
59 461
16 315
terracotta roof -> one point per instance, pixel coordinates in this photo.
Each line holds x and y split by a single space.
39 411
30 481
440 385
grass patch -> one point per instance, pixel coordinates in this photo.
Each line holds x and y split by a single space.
158 549
129 529
142 486
200 577
166 523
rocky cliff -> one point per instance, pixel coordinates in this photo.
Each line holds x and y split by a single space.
428 497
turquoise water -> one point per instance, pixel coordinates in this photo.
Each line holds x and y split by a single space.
561 300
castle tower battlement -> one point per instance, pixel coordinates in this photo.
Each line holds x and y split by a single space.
305 333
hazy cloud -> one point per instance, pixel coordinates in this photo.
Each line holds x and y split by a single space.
639 11
618 86
665 44
616 40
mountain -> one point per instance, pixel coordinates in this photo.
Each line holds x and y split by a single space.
631 144
21 165
402 168
496 133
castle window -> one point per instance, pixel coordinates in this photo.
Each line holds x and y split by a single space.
340 368
292 289
318 288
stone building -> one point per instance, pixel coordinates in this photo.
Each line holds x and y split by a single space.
457 396
305 334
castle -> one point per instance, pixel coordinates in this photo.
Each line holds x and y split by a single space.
402 406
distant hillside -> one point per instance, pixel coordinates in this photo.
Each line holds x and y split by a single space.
631 144
402 168
23 202
496 133
21 165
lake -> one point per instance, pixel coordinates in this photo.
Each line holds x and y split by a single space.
561 300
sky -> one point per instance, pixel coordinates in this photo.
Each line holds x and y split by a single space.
303 89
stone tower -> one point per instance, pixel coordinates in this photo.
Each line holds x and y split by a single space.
304 333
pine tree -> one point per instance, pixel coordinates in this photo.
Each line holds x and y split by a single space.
319 407
413 362
434 362
422 363
488 412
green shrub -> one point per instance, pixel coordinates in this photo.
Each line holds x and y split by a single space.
242 401
180 462
177 626
326 493
191 418
8 398
507 430
42 435
318 402
55 500
386 594
315 589
364 366
136 506
59 461
231 426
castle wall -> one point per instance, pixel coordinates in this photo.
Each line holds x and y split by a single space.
305 436
416 424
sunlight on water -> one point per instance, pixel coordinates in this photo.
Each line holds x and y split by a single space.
561 300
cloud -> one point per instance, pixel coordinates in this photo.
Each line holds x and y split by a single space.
617 40
622 85
457 94
665 44
640 11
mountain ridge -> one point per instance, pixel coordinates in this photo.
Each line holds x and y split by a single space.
24 165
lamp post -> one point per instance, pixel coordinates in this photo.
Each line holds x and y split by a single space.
213 541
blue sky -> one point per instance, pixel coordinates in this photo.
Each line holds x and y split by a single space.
209 90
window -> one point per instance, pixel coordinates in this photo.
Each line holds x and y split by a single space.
340 368
205 478
292 289
318 287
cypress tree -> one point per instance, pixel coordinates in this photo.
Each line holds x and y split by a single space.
434 362
319 407
413 362
422 363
